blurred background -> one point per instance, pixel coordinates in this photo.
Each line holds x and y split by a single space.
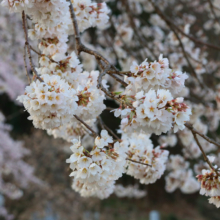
36 184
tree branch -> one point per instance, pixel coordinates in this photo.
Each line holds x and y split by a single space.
108 129
190 127
87 126
28 45
134 161
203 153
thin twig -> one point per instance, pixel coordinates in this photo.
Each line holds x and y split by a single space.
24 20
104 126
87 126
189 126
128 73
134 161
203 153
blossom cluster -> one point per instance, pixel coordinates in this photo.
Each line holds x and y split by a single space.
153 112
53 28
51 103
154 75
95 172
180 176
152 160
210 183
69 68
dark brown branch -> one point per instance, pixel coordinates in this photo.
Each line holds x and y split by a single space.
87 126
127 73
28 45
118 79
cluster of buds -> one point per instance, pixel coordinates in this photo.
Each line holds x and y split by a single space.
175 106
83 97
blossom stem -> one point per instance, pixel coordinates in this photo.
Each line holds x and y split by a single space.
134 161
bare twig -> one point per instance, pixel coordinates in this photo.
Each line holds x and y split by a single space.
24 20
104 126
134 161
195 133
87 126
189 126
203 153
127 73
